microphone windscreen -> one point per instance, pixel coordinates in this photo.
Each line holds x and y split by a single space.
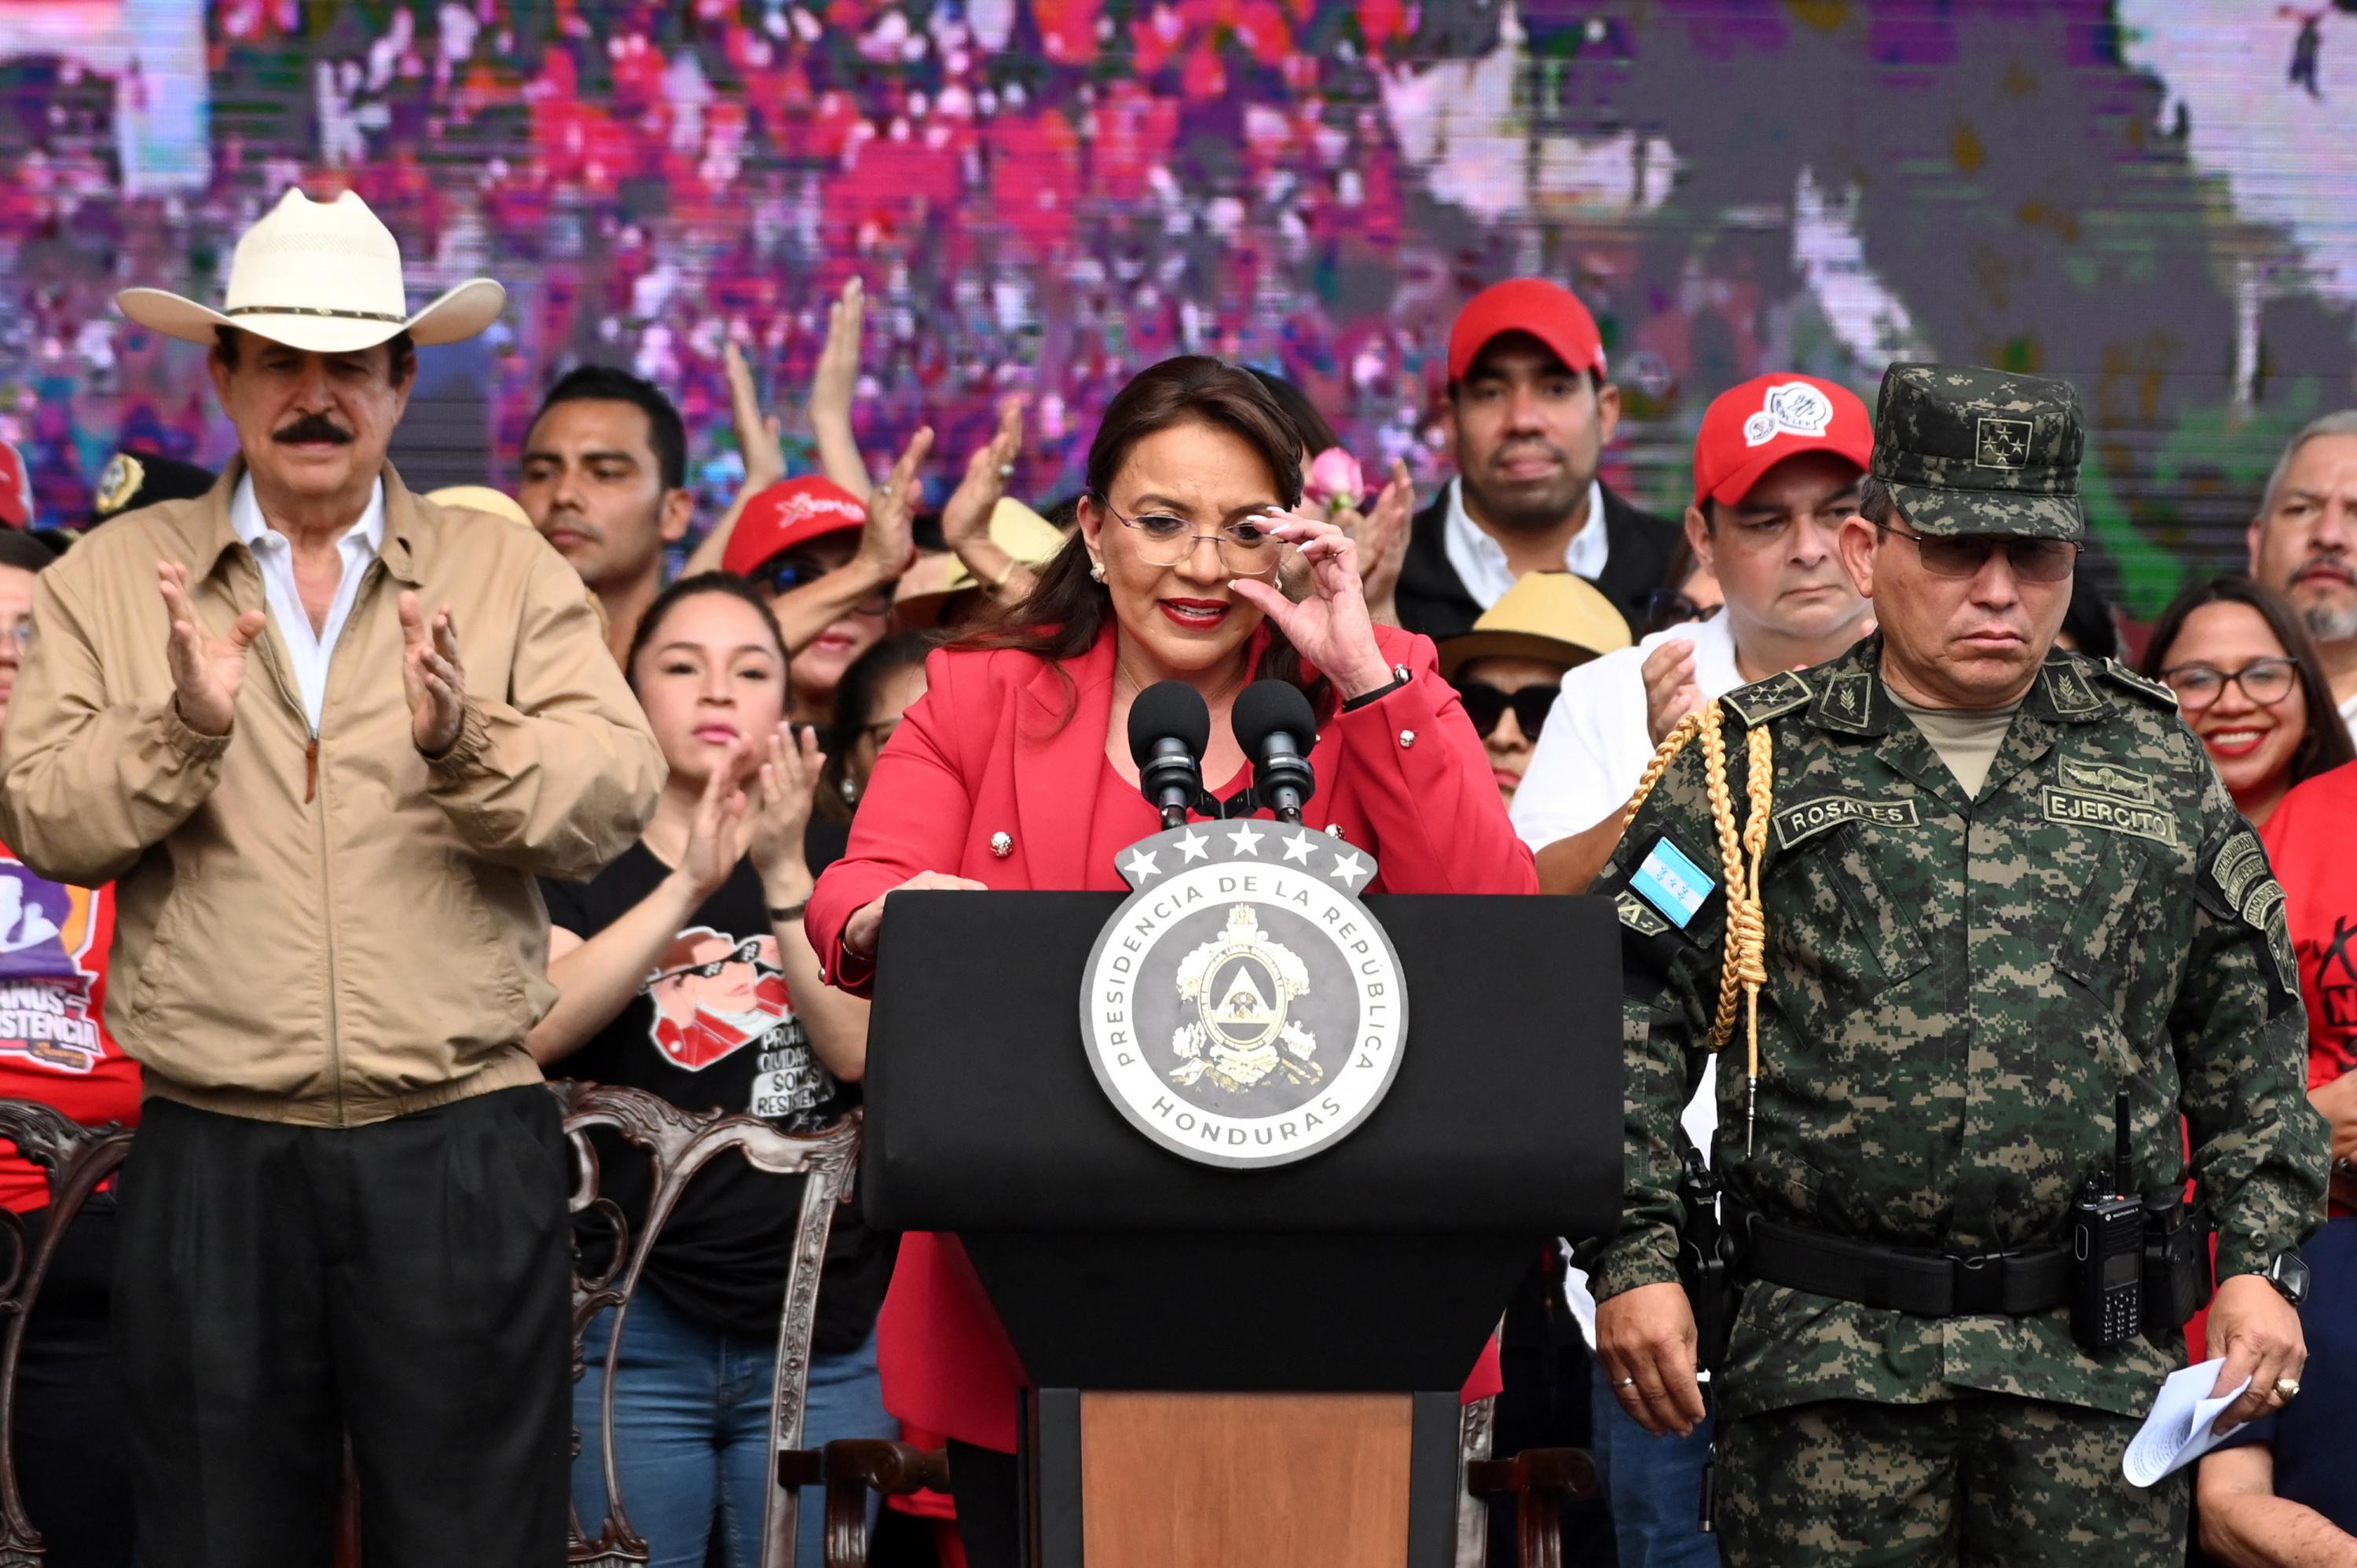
1165 709
1267 707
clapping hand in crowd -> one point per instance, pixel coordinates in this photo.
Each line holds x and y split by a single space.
757 432
888 545
431 677
965 519
755 804
832 386
207 670
1671 690
1330 624
1382 535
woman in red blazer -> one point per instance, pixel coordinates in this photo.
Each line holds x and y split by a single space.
1014 771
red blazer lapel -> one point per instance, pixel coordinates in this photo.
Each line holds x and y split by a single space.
1059 766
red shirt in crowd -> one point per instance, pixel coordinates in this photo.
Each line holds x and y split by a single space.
2308 840
53 942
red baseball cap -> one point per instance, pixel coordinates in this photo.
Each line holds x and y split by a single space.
1547 311
1750 429
790 512
15 489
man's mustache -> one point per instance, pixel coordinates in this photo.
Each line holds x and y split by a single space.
313 427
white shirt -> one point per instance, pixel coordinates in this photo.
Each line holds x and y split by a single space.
2349 717
1481 560
1596 741
1590 759
307 650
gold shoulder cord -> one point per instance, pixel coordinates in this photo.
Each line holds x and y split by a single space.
1744 967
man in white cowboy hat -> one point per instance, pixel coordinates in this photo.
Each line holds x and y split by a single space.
323 734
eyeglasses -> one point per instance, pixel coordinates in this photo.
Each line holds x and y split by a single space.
2265 682
2033 559
18 635
783 573
1247 549
1666 607
1487 706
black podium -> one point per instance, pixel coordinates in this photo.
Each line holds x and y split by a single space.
1266 1356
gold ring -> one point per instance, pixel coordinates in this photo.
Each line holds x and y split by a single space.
2287 1389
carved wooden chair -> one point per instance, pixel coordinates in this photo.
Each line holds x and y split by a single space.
1539 1481
680 1144
76 1159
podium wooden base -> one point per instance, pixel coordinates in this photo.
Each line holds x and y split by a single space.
1242 1480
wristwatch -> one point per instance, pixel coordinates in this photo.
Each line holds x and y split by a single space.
2288 1273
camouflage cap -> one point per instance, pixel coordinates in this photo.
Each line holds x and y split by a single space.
1968 450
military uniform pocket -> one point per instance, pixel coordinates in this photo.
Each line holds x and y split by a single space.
1836 941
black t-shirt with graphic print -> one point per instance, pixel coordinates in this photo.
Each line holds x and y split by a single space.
713 1029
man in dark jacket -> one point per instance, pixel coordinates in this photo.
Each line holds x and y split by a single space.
1529 413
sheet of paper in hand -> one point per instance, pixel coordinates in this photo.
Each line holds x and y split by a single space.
2177 1432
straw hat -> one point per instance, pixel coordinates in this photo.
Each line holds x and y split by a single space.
1551 615
1029 539
481 498
323 277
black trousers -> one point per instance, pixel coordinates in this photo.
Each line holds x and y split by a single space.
73 1461
405 1284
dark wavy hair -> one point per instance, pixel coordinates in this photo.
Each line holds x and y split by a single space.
1067 610
2325 745
855 708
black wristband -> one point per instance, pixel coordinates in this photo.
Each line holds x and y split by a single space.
1400 675
790 912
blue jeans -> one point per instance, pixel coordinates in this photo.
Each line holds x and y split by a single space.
692 1413
1654 1485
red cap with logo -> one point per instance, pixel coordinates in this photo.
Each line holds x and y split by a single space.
1547 311
15 489
1750 429
790 512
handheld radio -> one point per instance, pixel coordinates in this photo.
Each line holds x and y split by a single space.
2107 1252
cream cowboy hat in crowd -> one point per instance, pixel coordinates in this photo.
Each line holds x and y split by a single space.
323 277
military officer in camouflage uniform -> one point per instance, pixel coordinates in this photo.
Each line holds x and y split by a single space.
2000 884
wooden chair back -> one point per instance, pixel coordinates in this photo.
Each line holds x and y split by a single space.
679 1143
76 1159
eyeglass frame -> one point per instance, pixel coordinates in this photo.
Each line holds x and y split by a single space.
2298 682
1193 540
1997 543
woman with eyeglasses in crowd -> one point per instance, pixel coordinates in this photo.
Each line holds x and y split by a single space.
1014 771
2250 686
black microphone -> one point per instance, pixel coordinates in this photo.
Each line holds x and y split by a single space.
1168 729
1276 727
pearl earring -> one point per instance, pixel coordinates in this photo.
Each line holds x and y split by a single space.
850 792
1096 571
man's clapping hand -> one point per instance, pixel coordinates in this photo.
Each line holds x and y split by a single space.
1671 691
431 677
207 670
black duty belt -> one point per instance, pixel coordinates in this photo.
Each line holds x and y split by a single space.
1915 1280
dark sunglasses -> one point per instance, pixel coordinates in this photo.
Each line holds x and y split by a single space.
2033 559
783 573
1486 706
1666 607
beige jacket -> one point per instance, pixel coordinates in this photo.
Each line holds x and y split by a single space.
325 930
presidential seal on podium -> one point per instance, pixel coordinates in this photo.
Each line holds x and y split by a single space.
1244 1007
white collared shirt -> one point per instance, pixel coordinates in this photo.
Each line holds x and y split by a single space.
1481 560
308 651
